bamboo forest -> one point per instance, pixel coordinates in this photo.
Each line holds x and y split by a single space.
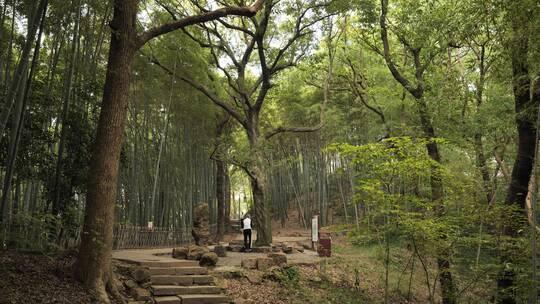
269 151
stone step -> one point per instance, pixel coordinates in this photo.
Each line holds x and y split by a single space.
194 299
165 264
184 280
168 300
205 299
172 290
177 270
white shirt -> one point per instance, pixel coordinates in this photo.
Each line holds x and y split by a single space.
247 223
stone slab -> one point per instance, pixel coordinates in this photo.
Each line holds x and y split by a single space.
183 280
164 264
168 300
171 290
204 299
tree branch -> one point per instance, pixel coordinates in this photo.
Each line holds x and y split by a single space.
201 88
293 130
247 11
388 58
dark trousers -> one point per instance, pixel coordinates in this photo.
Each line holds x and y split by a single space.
247 238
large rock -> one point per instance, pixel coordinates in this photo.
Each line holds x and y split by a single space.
236 243
196 252
278 258
209 259
180 253
220 251
249 263
277 248
140 274
201 224
234 248
254 277
141 294
287 249
264 263
262 249
306 244
130 284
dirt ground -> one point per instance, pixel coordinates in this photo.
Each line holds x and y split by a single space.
36 278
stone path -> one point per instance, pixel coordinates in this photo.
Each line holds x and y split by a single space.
234 259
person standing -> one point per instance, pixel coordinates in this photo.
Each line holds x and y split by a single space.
246 229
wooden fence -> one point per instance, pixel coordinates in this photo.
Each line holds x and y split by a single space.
130 237
37 237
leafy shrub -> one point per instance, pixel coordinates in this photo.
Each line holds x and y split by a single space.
287 276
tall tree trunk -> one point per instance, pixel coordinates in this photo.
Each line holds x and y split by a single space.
93 262
10 48
257 177
57 207
263 221
3 8
12 152
478 142
417 91
221 171
222 191
227 201
443 258
523 164
19 117
18 78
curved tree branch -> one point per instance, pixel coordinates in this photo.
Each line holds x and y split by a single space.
279 130
203 89
247 11
387 56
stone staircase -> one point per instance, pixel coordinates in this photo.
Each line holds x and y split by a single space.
183 282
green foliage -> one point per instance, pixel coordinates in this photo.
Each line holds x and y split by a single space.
34 232
288 276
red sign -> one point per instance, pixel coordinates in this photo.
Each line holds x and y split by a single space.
325 247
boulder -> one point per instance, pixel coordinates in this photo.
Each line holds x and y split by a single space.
196 252
140 274
234 248
306 244
208 259
277 248
180 253
287 249
220 251
264 263
236 243
123 269
141 294
130 284
262 249
278 259
201 224
249 263
254 277
229 272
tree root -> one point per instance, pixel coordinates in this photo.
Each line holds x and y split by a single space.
113 290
